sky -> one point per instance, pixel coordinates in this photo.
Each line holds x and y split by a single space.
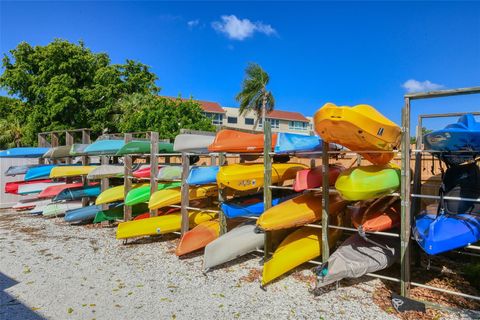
346 53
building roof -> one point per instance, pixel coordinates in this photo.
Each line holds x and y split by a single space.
207 106
287 115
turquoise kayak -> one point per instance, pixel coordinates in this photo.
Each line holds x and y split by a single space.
77 193
104 147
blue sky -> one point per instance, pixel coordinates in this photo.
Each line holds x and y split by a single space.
315 52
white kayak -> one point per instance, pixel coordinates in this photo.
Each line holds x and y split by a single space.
193 142
233 244
59 208
106 171
40 207
32 188
29 204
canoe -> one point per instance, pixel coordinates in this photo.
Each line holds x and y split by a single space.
13 186
250 206
106 171
167 173
23 152
58 152
143 147
250 176
116 213
104 147
313 178
359 128
368 182
19 170
356 257
59 208
38 187
200 175
297 248
168 197
233 244
298 211
82 214
438 234
115 193
463 136
236 141
293 142
52 191
161 224
76 193
143 172
71 171
383 214
39 172
142 194
78 149
197 143
29 204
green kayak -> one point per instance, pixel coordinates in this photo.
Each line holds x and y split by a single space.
117 213
142 147
142 194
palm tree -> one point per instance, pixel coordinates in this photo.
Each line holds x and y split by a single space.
11 132
254 94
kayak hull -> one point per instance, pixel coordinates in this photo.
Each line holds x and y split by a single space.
252 206
59 209
380 216
23 152
172 196
197 143
237 141
115 194
142 194
71 171
203 175
313 178
82 214
143 147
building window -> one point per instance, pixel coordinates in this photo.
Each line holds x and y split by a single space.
231 119
217 118
249 121
274 123
297 125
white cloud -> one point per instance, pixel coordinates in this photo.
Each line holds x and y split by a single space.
240 29
413 85
193 23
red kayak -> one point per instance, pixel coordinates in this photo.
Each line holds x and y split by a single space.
12 187
143 173
313 178
51 192
383 214
237 141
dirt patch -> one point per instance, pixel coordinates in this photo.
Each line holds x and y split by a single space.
253 275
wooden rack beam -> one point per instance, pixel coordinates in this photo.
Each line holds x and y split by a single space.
127 181
153 167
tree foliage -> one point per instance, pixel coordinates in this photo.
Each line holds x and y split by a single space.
12 119
143 112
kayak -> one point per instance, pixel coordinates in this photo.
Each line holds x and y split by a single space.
82 214
52 191
198 237
116 213
104 147
23 152
438 234
115 193
233 244
40 207
359 128
298 211
250 206
29 204
76 193
313 178
71 171
237 141
294 142
368 182
38 187
39 172
197 143
143 172
78 149
168 197
19 170
106 171
143 147
463 136
170 173
383 214
58 152
161 224
202 175
297 248
142 194
59 208
356 257
250 176
13 186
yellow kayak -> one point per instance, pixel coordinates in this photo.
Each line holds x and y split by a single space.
250 176
168 197
115 194
162 224
298 211
299 247
71 171
358 128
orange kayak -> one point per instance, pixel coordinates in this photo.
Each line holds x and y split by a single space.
237 141
313 178
381 215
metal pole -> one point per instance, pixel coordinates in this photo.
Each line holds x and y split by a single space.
325 202
127 181
267 181
185 202
222 219
153 167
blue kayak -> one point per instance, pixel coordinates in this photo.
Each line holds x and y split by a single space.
292 142
82 214
446 232
104 147
250 206
77 193
203 175
464 135
25 152
40 172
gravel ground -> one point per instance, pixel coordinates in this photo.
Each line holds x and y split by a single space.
51 270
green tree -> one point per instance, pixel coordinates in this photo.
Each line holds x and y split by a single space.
254 94
65 85
12 118
413 139
146 112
